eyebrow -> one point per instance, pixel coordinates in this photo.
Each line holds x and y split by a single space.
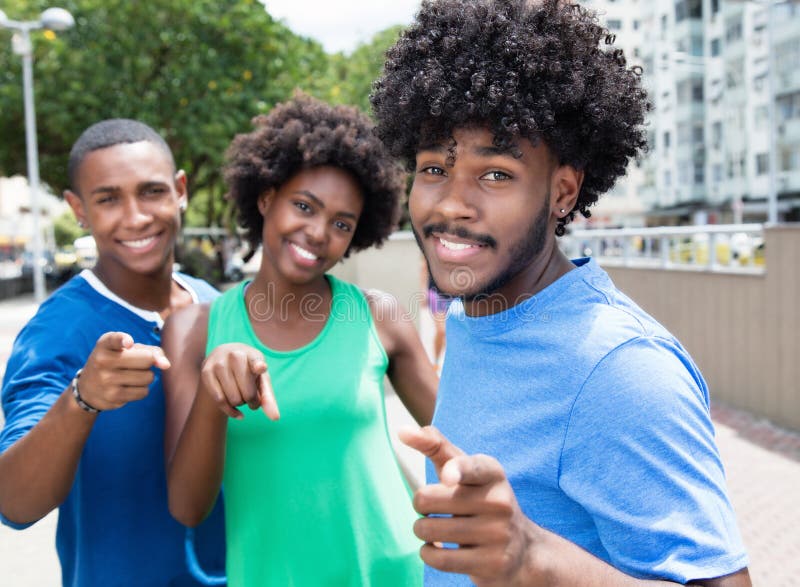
481 150
321 204
108 189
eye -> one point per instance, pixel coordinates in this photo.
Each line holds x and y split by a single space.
343 226
154 191
302 206
496 176
431 170
105 200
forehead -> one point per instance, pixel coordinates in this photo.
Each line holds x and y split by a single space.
123 164
479 141
335 187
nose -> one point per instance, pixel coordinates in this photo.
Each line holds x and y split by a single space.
136 214
316 230
455 200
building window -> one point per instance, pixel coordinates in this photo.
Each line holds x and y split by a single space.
762 163
715 47
667 178
614 24
666 140
699 173
733 30
697 90
788 107
716 170
716 134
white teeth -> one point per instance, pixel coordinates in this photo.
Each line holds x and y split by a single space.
304 254
455 246
139 244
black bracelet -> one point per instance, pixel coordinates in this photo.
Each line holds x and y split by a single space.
77 395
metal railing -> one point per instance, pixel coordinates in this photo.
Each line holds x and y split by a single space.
727 248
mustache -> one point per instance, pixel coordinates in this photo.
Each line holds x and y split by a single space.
460 232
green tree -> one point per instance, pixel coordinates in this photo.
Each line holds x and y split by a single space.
195 70
349 79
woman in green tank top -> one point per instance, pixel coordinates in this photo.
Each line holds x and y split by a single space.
313 493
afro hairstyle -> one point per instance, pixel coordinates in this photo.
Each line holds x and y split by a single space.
303 133
539 70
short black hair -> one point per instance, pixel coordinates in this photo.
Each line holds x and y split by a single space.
305 132
107 133
540 70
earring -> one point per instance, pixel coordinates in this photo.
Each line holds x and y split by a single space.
81 224
182 206
562 211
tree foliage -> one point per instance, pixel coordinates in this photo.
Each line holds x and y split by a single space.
195 70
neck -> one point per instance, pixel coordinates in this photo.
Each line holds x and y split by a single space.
151 291
287 301
550 265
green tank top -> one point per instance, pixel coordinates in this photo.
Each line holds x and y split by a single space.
316 498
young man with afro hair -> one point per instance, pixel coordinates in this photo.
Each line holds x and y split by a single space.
572 441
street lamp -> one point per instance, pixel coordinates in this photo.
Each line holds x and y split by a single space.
54 19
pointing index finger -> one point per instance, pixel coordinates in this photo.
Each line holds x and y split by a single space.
432 443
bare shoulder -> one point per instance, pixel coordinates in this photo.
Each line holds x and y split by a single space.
186 327
392 320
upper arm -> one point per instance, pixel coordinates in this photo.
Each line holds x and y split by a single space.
184 342
738 579
411 372
640 457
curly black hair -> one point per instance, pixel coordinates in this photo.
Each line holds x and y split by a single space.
305 132
543 70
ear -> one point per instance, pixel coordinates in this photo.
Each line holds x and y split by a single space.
76 203
181 189
264 200
565 186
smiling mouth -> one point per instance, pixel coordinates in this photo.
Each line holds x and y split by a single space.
454 246
139 243
304 253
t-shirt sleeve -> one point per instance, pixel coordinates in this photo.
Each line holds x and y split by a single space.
38 370
640 457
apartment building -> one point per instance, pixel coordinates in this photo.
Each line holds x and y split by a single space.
725 132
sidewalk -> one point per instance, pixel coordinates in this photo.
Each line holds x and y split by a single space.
761 460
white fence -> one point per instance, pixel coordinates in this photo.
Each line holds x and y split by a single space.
727 248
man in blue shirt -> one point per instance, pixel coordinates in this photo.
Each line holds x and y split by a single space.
82 394
572 441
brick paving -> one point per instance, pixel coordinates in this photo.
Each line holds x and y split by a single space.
762 463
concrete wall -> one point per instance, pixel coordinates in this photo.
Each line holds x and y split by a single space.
396 268
742 330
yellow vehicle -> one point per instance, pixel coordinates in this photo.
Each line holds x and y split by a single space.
737 249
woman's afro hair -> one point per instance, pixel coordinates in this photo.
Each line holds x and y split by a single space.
303 133
525 69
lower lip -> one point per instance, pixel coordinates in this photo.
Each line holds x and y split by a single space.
300 260
456 255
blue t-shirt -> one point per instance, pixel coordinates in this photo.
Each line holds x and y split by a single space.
114 528
601 422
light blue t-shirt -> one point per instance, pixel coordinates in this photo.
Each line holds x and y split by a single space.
601 422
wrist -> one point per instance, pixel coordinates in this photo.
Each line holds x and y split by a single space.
76 394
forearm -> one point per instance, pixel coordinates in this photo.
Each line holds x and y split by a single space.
194 474
37 472
553 561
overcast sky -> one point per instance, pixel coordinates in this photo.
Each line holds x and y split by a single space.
341 24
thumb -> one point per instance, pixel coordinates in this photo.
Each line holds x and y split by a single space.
115 341
432 443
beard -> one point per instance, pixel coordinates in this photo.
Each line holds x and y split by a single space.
521 254
461 283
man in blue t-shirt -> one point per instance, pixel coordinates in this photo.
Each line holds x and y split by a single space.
572 441
82 394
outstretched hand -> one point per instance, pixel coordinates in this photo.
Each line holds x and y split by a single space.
235 374
118 371
494 537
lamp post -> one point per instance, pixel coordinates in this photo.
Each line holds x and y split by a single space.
54 19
